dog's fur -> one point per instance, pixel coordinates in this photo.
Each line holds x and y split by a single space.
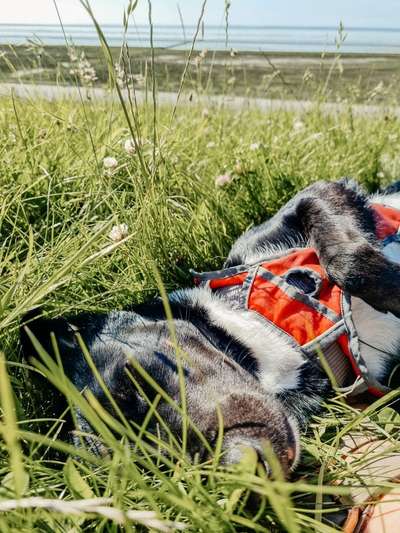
232 359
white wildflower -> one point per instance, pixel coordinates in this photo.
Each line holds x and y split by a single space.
255 146
118 232
380 174
298 125
205 113
210 145
223 179
110 163
129 146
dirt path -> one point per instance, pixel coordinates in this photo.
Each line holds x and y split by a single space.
54 92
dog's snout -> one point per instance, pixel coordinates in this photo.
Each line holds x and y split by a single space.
238 448
263 444
258 423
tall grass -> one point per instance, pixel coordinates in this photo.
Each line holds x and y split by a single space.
59 203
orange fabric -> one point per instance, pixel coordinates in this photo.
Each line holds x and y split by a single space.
388 220
376 392
329 295
299 258
296 318
237 279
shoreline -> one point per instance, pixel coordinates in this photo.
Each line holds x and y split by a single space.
238 53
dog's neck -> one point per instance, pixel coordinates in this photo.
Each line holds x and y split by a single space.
242 333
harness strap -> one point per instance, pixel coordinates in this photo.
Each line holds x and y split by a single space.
341 368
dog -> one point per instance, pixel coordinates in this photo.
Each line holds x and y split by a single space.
237 364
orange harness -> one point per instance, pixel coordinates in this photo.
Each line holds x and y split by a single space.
293 292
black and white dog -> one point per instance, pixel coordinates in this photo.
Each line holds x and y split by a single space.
265 387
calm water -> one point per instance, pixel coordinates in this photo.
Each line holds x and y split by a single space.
279 39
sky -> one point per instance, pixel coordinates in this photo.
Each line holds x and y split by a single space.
359 13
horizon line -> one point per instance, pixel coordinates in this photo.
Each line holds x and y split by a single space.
233 26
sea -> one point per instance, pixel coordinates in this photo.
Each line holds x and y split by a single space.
239 38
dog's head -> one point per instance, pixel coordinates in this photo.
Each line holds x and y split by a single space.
216 386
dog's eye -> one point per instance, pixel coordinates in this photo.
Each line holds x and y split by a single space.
304 279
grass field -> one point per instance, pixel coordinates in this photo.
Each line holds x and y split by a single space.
61 194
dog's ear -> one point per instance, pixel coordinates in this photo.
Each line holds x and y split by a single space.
35 326
45 398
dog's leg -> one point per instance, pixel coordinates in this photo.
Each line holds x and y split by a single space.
336 220
341 227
